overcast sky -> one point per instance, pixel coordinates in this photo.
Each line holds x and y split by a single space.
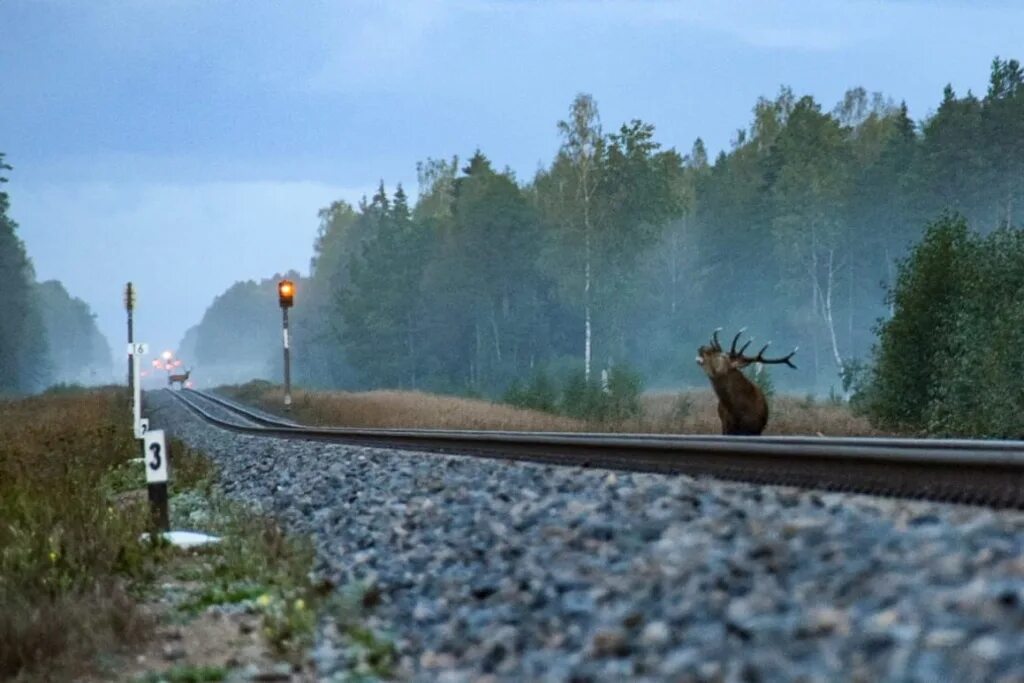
186 145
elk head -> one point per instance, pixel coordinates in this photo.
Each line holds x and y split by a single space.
742 407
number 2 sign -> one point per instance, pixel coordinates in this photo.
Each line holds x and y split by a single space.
155 456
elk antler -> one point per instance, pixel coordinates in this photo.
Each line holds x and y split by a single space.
714 339
732 350
759 358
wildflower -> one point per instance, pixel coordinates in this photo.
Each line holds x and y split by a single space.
263 600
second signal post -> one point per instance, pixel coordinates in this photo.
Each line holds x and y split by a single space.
286 297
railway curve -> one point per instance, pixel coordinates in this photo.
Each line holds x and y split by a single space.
987 473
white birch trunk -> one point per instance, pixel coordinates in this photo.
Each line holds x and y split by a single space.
586 320
587 332
892 282
826 312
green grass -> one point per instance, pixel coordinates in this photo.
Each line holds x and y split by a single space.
68 554
254 563
73 570
186 674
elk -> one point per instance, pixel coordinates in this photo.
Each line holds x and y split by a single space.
742 407
180 379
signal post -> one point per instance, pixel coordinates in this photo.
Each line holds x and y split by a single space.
286 297
129 306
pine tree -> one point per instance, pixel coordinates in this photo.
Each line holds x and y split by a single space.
24 358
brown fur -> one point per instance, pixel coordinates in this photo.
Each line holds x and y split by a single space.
742 407
180 379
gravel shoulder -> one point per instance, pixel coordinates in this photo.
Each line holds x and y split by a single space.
489 571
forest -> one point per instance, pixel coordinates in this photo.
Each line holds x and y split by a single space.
623 252
47 336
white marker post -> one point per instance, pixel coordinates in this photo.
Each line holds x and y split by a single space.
136 351
154 456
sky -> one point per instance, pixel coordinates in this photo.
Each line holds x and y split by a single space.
188 144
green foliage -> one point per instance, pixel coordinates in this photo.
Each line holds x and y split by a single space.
62 388
540 394
380 305
583 399
79 353
790 232
254 563
927 292
978 389
856 378
588 400
222 593
370 654
240 332
186 674
288 621
24 357
949 362
66 549
623 395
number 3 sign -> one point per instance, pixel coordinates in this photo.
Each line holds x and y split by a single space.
155 456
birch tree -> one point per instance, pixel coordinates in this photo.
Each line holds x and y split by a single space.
580 162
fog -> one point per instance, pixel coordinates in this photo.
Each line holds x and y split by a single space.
191 147
622 255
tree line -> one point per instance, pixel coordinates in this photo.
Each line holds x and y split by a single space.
47 336
949 361
624 253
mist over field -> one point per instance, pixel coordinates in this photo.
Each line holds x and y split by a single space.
625 253
509 340
495 199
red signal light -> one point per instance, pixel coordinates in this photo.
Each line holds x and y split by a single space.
286 293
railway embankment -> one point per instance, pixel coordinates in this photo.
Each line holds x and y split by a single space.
481 570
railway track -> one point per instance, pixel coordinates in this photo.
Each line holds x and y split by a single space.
989 473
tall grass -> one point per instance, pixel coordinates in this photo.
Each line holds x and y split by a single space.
65 549
690 412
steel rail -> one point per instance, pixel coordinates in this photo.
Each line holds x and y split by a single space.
955 470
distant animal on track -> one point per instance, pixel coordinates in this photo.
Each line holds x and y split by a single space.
180 379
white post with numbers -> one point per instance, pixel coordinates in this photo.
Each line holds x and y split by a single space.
136 351
154 458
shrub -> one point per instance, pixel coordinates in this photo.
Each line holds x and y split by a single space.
66 549
928 289
588 400
978 373
582 398
540 394
624 389
949 361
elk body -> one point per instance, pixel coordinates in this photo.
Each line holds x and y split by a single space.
180 379
742 407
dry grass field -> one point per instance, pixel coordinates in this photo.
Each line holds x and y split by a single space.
66 553
81 598
691 412
696 412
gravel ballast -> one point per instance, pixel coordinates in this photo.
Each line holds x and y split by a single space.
493 571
